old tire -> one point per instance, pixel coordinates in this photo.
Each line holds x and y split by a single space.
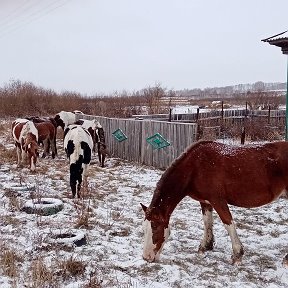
69 237
43 206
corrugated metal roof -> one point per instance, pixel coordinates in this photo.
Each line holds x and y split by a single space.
279 41
274 37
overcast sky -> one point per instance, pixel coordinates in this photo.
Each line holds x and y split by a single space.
92 46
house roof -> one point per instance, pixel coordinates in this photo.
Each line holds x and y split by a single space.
279 40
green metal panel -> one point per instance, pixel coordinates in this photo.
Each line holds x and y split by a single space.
119 135
157 141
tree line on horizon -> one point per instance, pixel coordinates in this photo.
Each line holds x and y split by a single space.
20 99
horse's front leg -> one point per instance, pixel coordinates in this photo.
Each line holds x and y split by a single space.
223 211
208 238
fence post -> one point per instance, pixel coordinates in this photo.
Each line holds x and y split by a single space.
246 109
170 114
197 114
269 114
243 136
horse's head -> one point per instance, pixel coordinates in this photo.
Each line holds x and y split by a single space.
59 121
156 231
31 149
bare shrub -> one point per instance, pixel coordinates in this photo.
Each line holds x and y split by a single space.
41 275
70 267
15 203
95 280
7 155
263 100
10 262
84 214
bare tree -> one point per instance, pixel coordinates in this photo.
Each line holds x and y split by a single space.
152 96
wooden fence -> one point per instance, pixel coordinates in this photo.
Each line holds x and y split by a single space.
182 133
137 149
214 116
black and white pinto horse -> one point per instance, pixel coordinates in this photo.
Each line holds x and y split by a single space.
91 126
78 145
98 136
65 118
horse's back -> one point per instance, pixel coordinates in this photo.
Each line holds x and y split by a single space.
21 128
78 134
246 176
46 129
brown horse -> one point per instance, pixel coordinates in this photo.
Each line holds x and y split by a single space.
216 175
25 136
47 136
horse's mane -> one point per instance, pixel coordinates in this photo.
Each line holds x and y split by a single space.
173 165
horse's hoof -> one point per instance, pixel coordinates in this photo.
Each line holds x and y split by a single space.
201 251
208 247
236 260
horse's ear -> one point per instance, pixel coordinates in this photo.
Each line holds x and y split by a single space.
143 207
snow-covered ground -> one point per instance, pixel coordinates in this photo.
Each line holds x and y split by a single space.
111 218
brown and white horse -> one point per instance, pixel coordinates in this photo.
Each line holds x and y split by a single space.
47 129
25 135
216 175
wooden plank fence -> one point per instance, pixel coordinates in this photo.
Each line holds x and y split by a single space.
137 149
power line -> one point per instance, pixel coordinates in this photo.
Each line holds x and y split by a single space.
16 12
40 13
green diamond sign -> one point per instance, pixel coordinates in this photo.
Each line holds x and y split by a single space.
119 135
157 141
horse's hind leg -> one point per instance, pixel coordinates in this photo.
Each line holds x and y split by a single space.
223 211
53 147
19 154
45 147
102 160
208 238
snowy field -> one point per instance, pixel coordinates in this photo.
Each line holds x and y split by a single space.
111 218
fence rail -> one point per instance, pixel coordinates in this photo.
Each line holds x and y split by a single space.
215 113
137 149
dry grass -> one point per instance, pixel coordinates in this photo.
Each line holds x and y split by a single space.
10 261
70 267
95 281
7 155
84 214
41 274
